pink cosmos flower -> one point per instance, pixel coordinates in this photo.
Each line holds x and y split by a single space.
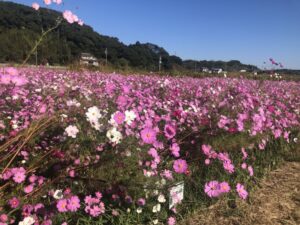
250 170
35 6
212 189
153 152
58 2
180 166
206 149
175 149
80 22
96 210
141 201
241 191
28 189
5 79
171 221
148 135
19 177
169 131
47 2
3 218
18 80
62 205
167 174
73 204
228 166
7 175
244 165
119 117
224 187
12 71
99 195
14 202
245 155
68 15
207 161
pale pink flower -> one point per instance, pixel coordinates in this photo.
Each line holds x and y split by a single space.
35 6
72 131
47 2
250 170
68 15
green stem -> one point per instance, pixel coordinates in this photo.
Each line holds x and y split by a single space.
40 40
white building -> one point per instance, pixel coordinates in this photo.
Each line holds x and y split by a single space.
88 59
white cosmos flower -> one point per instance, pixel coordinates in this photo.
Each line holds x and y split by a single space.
156 208
72 131
58 194
139 210
114 135
155 221
29 220
161 198
129 117
93 114
112 120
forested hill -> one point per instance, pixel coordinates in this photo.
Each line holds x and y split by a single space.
20 27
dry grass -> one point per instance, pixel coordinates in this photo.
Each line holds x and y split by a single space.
277 201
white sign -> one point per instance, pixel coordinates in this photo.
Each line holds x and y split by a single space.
176 194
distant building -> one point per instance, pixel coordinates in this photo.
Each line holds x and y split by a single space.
217 70
88 59
205 70
243 71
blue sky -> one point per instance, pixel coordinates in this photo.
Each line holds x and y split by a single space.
247 30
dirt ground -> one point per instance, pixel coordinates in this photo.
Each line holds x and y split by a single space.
276 201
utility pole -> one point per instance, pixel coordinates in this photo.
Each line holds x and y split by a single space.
195 67
106 57
159 64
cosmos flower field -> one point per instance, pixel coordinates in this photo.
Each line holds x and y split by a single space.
94 148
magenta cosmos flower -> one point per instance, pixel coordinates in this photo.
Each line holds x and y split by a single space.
62 205
169 131
14 202
212 189
180 166
148 135
119 117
